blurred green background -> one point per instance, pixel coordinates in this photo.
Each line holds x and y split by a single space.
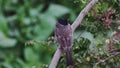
27 27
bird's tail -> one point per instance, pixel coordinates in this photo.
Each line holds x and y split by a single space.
68 58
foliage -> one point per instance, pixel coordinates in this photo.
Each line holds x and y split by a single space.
21 21
26 27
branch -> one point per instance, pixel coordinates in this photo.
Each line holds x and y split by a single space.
56 58
101 61
82 14
76 23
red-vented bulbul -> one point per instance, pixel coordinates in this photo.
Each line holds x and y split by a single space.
63 33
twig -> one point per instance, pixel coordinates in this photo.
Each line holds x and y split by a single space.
101 61
76 23
114 50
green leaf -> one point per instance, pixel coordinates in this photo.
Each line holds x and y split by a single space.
99 39
45 27
3 25
57 10
90 37
7 65
6 42
34 12
30 55
46 21
87 35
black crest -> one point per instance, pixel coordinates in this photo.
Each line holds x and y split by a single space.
63 21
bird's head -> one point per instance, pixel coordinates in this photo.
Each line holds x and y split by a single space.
63 21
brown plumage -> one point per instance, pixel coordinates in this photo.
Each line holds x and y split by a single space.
63 33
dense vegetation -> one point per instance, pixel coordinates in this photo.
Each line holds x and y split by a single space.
27 30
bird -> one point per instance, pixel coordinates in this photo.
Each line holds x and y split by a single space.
63 34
